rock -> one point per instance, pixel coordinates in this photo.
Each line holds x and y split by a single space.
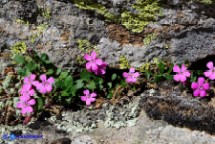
62 141
84 139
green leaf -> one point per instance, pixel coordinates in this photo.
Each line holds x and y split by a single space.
73 90
58 83
199 72
110 95
68 80
19 59
63 75
148 74
161 67
50 71
91 85
44 57
31 66
109 84
79 84
169 77
123 83
40 104
64 93
48 62
86 76
58 71
113 77
21 71
158 78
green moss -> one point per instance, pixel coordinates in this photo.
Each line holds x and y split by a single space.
205 1
98 8
85 47
149 38
20 21
124 63
40 28
19 48
147 10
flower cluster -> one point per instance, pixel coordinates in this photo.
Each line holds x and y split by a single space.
27 92
98 67
95 64
200 87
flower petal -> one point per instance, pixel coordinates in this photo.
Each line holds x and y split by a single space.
36 83
43 77
26 87
125 74
92 99
19 105
93 55
86 92
88 102
98 61
176 77
24 98
88 65
87 57
183 68
31 92
26 80
206 86
132 70
50 80
94 66
32 77
203 93
208 73
83 98
201 80
176 68
29 109
48 88
24 111
136 74
42 89
186 73
133 80
212 76
31 102
210 65
194 85
93 95
182 78
196 92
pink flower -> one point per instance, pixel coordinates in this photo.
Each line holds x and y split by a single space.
27 90
93 63
26 106
211 72
88 97
46 85
182 73
200 87
101 69
30 79
131 77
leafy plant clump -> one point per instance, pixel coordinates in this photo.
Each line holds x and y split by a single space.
41 84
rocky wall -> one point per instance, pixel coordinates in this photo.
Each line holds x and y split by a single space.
182 31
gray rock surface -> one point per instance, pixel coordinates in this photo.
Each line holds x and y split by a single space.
187 28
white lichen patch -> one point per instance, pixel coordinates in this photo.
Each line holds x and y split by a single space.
114 116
